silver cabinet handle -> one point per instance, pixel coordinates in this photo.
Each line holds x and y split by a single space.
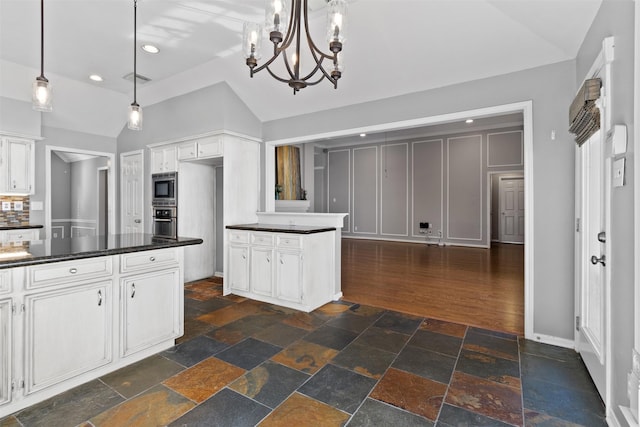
99 297
152 258
133 290
73 270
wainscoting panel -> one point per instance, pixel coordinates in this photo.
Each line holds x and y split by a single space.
427 194
464 201
365 190
339 184
505 149
394 189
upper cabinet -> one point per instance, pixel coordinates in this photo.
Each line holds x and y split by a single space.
163 159
202 148
17 165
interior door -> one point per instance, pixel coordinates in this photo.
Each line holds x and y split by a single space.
511 209
132 192
592 262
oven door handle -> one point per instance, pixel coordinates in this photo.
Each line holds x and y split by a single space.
162 220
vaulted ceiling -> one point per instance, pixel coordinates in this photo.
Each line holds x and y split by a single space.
393 47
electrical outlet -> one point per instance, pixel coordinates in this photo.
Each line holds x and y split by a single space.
425 225
18 206
6 206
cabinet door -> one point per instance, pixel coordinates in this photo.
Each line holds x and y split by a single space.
210 147
170 159
151 309
262 271
5 351
289 276
68 332
239 268
157 160
20 164
187 151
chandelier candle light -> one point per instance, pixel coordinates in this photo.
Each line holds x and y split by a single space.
135 111
41 93
276 10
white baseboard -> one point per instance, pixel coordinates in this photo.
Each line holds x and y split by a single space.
218 274
431 243
337 296
612 420
549 339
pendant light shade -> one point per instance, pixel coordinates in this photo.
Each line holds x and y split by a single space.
41 93
135 111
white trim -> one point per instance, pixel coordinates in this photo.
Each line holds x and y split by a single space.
353 171
417 242
557 341
525 107
203 135
21 135
489 165
111 164
349 221
84 221
413 186
61 227
406 180
78 227
449 237
98 171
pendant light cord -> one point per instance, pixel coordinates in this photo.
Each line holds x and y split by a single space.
42 38
135 42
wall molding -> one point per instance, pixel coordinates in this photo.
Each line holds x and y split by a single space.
413 187
377 183
406 179
489 165
346 229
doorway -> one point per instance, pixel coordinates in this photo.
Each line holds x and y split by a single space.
73 207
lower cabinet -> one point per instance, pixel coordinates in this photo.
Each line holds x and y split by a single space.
6 352
151 309
293 270
68 332
238 267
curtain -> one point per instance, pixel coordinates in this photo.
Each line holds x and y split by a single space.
584 115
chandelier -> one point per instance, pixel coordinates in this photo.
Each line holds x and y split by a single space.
42 91
286 37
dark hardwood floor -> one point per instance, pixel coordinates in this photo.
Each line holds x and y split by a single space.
473 286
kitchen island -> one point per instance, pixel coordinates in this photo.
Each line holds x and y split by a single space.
75 309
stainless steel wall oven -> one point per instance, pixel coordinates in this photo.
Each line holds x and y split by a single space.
165 222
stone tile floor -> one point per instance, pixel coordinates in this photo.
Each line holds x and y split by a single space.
246 363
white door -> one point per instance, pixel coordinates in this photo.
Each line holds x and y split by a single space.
511 190
592 261
132 192
19 156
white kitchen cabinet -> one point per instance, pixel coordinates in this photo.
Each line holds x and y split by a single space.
278 270
17 165
6 353
151 309
164 159
67 333
238 274
5 281
202 148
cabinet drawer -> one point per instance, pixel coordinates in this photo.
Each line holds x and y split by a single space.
148 259
238 237
263 239
21 235
285 241
61 272
187 151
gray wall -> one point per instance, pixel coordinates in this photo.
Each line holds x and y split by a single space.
442 180
18 117
84 188
551 89
209 109
615 18
60 185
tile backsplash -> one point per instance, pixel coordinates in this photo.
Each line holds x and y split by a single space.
14 217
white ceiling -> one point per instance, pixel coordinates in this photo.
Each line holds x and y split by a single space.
393 47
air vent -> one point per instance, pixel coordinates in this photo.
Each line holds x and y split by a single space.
141 79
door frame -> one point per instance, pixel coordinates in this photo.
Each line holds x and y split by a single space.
524 107
601 67
519 173
99 171
121 209
111 161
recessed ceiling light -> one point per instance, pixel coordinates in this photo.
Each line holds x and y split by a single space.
96 77
469 121
149 48
362 135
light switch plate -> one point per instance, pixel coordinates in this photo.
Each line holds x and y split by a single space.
618 172
18 206
6 206
36 205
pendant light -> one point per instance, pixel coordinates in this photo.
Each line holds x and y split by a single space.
41 93
286 34
135 111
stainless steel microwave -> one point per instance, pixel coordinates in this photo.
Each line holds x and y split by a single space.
165 189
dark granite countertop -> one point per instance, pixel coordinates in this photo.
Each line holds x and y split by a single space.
276 228
18 227
55 250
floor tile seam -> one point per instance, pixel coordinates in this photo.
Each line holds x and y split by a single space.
455 366
562 386
114 390
305 395
521 385
251 399
435 351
